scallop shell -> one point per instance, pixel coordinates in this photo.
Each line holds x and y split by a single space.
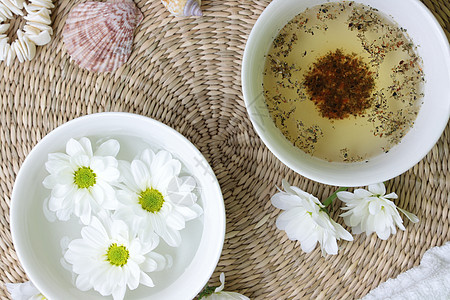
183 8
99 35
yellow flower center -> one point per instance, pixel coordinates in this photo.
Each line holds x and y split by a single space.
117 255
151 200
84 177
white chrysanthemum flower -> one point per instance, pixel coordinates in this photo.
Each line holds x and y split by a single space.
220 294
155 198
24 291
109 258
305 220
371 211
81 179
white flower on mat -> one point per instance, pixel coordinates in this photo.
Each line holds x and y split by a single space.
81 179
24 291
305 220
155 198
371 211
109 258
220 294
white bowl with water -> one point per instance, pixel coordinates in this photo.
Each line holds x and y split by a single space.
37 241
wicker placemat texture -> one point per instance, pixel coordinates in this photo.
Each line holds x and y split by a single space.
185 72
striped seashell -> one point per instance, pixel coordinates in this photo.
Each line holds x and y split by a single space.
183 8
99 35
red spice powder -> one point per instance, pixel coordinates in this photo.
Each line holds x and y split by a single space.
340 85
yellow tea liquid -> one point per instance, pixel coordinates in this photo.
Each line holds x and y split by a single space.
304 95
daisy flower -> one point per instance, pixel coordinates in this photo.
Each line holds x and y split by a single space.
372 211
305 220
211 293
109 258
154 197
81 180
24 291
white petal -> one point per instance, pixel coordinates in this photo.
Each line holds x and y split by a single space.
412 217
80 160
354 220
55 204
133 280
118 229
361 193
83 283
171 237
64 214
323 220
391 196
384 234
97 194
147 156
97 164
377 188
95 234
163 169
381 222
56 162
285 201
146 280
356 229
341 232
308 243
287 187
175 221
374 207
285 217
345 196
119 292
98 278
73 147
163 159
83 208
106 168
162 175
140 174
329 244
222 283
149 265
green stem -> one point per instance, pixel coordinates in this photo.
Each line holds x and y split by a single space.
333 196
208 290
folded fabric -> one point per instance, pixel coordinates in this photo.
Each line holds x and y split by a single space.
429 280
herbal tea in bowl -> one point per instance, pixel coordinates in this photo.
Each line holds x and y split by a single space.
347 93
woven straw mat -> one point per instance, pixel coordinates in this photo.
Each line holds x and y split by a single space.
185 72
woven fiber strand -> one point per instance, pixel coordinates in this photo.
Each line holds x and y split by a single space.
185 72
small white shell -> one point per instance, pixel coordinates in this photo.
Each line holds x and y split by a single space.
99 35
183 8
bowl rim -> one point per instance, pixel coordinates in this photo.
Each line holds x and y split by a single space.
220 217
290 161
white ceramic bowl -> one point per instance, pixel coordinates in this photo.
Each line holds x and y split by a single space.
37 241
434 49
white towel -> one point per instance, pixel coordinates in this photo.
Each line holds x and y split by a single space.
429 280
